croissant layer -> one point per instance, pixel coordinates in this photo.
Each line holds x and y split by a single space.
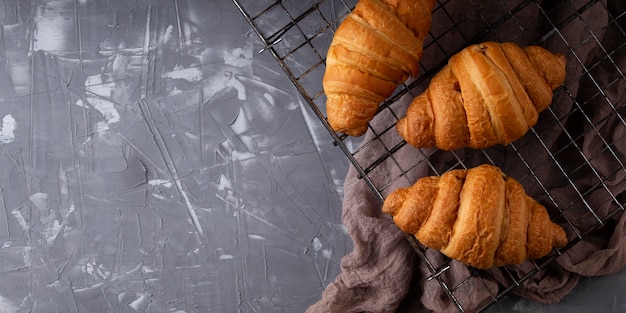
478 216
376 48
487 94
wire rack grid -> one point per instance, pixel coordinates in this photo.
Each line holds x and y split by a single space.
569 151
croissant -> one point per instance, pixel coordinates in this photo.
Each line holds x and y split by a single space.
487 94
374 50
477 216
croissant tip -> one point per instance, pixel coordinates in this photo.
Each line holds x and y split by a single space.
394 201
401 126
559 240
347 131
340 125
561 58
355 132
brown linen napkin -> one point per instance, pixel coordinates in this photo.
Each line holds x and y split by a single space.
383 274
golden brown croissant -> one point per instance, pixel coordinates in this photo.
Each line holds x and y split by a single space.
477 216
373 51
487 94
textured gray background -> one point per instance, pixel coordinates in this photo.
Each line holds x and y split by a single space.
153 161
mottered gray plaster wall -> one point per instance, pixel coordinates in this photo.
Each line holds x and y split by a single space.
153 161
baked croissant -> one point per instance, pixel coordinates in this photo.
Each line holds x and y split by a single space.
487 94
373 51
477 216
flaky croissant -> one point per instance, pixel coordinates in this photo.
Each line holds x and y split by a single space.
487 94
373 51
477 216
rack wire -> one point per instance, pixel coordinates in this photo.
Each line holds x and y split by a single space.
297 34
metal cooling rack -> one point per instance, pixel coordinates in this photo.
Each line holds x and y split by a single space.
297 34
